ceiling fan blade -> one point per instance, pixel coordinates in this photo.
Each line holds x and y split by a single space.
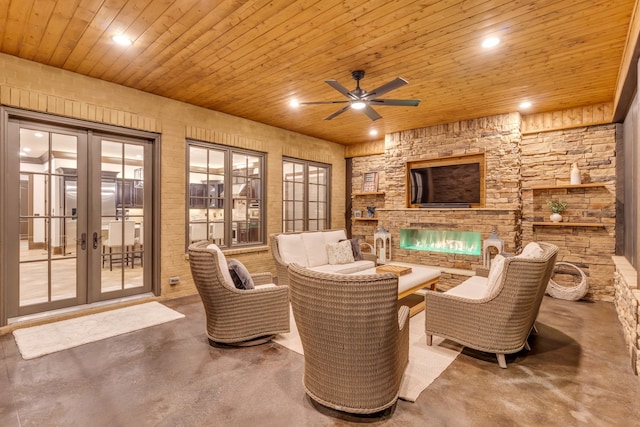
371 113
343 90
400 102
387 87
323 102
337 113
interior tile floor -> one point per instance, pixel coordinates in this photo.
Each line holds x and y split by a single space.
577 374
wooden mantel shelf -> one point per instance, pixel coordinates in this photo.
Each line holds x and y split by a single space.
561 186
568 224
367 193
364 219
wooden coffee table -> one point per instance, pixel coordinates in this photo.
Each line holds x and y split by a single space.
419 278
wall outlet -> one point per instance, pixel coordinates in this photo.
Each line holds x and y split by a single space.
174 280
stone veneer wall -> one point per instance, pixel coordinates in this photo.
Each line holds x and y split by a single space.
497 137
514 164
546 159
627 302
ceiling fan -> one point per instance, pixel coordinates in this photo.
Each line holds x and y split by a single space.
360 99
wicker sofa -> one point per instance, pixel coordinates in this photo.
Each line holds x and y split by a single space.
355 339
494 314
308 249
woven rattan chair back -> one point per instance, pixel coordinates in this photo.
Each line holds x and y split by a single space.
501 322
355 340
234 316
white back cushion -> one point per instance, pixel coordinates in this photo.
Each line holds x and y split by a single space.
314 246
495 274
291 248
222 265
334 236
532 250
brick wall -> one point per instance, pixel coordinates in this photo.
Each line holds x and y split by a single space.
31 86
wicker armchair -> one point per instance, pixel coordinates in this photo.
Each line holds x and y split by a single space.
501 322
355 340
234 316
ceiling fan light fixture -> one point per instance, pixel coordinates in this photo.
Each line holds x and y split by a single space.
358 105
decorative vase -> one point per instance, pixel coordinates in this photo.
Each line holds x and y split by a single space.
555 217
575 174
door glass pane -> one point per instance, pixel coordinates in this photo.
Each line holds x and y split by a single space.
122 216
48 236
63 279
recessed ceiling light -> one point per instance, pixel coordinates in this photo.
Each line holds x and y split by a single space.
490 42
122 40
294 103
373 132
525 104
358 105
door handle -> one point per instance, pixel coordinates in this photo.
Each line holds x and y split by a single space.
83 241
95 240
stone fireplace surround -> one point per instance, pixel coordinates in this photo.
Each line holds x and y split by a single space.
516 165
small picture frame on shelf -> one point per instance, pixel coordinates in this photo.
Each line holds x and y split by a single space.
357 214
370 182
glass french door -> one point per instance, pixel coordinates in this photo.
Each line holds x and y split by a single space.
75 225
121 238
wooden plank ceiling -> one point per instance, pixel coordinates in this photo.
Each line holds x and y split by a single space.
249 58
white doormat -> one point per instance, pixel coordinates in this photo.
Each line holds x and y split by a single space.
426 363
37 341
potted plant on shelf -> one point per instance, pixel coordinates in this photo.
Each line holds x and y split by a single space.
557 207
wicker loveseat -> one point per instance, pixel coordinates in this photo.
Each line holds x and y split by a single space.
495 320
235 316
355 340
308 249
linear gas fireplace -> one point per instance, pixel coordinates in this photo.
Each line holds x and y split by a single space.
455 242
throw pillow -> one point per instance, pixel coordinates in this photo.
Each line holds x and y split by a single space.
241 277
495 274
532 250
340 253
355 248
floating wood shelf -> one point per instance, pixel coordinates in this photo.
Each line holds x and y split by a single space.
364 219
368 193
568 224
561 186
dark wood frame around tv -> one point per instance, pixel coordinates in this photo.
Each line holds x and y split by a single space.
478 158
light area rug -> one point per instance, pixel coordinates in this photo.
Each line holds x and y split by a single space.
425 363
40 340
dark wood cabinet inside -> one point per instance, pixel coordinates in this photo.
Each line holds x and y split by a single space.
128 195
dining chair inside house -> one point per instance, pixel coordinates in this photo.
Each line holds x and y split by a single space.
217 233
198 232
137 251
121 241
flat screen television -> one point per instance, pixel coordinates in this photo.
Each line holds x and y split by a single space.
449 185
